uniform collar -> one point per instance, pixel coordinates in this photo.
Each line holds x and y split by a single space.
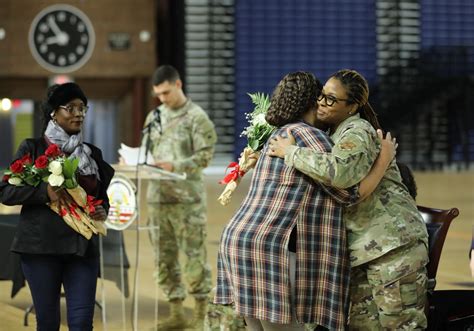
177 112
344 123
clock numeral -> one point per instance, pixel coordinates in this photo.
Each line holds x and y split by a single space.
84 39
43 48
43 27
72 57
72 19
80 50
62 60
51 57
39 38
81 27
61 16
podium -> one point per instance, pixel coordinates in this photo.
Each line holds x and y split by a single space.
126 192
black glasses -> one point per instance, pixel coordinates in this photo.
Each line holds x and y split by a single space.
329 99
71 108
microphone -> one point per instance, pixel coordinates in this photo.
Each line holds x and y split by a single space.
147 130
155 121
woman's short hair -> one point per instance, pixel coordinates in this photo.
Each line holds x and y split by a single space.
59 95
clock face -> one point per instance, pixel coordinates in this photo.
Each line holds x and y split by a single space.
61 38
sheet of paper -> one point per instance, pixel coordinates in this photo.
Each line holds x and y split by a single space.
134 155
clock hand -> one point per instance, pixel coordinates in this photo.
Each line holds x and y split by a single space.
52 40
52 24
61 37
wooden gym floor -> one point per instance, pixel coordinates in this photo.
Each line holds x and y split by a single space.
440 190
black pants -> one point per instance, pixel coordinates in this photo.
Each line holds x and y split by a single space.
46 273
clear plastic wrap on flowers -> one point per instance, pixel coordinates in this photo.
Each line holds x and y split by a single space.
232 180
60 172
76 214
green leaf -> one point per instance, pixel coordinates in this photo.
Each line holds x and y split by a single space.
253 144
69 183
32 181
257 133
261 102
70 167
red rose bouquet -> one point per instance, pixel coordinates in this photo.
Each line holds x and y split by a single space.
60 172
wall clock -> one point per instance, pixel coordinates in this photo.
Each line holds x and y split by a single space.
61 38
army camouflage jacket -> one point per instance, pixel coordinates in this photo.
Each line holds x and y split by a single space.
388 218
186 138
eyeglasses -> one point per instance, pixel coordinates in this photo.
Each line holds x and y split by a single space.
329 99
71 108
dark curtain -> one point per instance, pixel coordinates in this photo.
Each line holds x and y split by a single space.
170 34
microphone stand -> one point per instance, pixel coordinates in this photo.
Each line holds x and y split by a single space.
147 144
147 131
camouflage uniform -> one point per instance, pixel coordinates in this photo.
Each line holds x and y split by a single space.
385 229
222 317
186 138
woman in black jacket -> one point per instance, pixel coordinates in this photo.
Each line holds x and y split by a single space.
52 253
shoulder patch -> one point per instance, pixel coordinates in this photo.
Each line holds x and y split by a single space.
347 145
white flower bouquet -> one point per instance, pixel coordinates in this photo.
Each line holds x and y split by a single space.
60 172
257 134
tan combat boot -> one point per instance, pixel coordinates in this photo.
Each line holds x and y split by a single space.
200 311
176 319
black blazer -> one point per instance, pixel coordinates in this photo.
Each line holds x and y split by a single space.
40 230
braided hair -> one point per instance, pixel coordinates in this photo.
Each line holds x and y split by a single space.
357 90
294 95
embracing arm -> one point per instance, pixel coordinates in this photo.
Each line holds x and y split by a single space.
282 147
368 185
317 141
347 164
387 154
349 161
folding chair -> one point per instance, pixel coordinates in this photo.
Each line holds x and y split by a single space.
448 309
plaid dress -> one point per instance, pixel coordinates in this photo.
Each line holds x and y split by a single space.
253 259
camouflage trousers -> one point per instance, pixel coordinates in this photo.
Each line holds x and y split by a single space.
389 293
222 317
182 228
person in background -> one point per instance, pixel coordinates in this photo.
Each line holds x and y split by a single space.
408 179
181 139
472 257
52 253
283 258
387 237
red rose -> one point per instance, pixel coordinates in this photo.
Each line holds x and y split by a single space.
6 178
17 167
52 151
41 162
26 159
